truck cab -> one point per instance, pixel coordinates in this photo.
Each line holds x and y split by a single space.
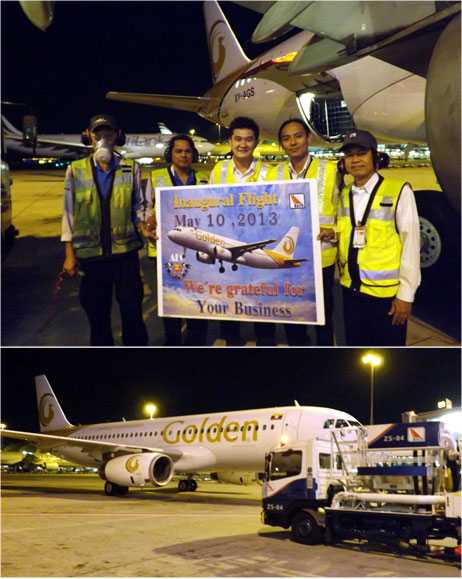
301 479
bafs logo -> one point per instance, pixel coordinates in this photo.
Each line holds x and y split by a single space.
416 434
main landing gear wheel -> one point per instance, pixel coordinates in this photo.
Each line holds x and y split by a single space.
187 485
234 267
305 529
111 489
222 269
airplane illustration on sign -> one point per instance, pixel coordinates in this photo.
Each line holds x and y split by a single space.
211 247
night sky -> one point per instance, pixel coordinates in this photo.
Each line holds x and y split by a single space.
99 385
90 48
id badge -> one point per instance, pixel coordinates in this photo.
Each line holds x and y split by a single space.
359 237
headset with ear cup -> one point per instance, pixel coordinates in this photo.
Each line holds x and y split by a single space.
85 137
381 161
168 150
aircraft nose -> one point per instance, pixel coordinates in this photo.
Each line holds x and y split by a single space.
172 235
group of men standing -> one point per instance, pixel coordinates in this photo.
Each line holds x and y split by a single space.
370 228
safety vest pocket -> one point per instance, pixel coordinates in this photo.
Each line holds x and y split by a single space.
121 195
376 234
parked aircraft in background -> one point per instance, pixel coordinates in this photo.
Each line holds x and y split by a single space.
376 80
212 247
136 146
30 459
146 453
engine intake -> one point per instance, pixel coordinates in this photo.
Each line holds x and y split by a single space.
139 470
205 257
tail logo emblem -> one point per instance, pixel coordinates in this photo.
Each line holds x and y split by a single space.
217 49
46 412
132 464
288 246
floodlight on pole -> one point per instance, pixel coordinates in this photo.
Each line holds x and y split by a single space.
374 361
151 410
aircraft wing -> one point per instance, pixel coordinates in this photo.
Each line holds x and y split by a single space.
182 103
97 449
239 250
61 147
397 32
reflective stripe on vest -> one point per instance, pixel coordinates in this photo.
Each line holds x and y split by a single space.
88 212
375 266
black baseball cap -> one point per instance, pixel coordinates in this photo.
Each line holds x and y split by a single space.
103 120
359 139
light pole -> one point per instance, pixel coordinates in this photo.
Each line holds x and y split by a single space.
374 361
151 410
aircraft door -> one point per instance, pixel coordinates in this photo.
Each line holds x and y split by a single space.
290 425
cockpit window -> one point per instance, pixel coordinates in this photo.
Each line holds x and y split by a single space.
285 464
329 423
340 423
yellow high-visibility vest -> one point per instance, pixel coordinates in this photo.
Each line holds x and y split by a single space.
325 173
374 268
161 178
96 218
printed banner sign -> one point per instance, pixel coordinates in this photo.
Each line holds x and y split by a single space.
243 252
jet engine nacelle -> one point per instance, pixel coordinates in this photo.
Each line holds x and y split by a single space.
139 470
238 478
205 257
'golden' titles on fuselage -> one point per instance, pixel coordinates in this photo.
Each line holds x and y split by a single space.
213 432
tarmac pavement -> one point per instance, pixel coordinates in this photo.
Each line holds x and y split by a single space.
64 526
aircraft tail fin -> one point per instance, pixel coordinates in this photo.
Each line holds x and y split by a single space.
164 129
9 128
51 416
226 54
287 245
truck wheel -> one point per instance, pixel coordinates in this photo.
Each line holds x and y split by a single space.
305 529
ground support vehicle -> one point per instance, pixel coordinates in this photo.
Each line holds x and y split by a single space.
397 486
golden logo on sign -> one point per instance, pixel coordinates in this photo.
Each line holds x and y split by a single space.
288 245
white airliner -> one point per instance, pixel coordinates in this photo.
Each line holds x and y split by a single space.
136 146
212 247
147 453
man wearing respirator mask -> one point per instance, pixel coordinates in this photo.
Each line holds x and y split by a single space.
102 220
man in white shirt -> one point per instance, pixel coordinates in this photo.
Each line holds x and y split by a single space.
379 247
243 168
